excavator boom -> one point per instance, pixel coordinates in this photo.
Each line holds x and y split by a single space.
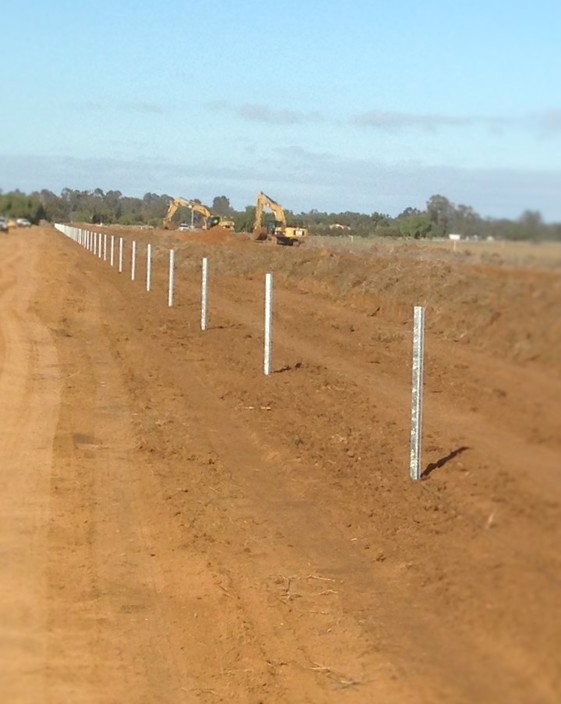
208 218
174 206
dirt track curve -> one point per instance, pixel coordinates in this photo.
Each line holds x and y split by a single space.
175 527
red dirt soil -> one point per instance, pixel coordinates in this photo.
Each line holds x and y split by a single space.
177 527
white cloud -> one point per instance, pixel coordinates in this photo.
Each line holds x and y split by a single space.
544 123
300 179
549 122
257 112
387 120
262 113
142 107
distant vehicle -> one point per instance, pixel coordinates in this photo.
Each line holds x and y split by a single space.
184 227
23 222
3 224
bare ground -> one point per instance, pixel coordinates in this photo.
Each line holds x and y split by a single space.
176 527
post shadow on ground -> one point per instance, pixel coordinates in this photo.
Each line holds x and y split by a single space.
287 368
429 469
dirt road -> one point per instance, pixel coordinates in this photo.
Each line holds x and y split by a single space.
175 527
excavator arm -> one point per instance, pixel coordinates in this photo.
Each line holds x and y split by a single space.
174 206
263 201
209 219
200 208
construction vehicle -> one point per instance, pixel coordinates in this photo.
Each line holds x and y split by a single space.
209 220
277 229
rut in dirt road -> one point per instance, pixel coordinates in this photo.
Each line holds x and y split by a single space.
30 389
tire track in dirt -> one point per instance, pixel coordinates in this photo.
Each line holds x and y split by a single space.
481 648
30 397
258 647
109 637
541 580
536 550
516 672
446 425
127 625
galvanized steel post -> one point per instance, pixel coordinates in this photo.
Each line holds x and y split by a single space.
417 391
204 294
267 362
171 277
148 267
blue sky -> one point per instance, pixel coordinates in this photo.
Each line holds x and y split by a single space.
358 105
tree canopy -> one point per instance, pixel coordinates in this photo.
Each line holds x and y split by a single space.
439 218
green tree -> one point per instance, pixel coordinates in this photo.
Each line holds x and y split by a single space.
245 220
221 206
531 225
465 221
441 212
417 226
16 204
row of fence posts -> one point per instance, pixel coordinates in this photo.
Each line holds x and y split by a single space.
103 246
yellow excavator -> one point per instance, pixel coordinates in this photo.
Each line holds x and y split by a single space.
276 230
209 220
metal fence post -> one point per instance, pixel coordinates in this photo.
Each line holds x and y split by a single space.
171 277
204 294
417 391
267 362
148 267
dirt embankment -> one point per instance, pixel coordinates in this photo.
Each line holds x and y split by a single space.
510 311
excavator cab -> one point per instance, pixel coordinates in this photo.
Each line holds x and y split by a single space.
274 227
213 221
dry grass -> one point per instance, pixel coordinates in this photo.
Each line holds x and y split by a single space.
531 255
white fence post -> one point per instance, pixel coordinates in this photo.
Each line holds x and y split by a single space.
133 260
204 295
105 247
148 267
121 249
417 392
112 252
267 363
171 277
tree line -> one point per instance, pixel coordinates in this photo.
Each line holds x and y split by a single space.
439 218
